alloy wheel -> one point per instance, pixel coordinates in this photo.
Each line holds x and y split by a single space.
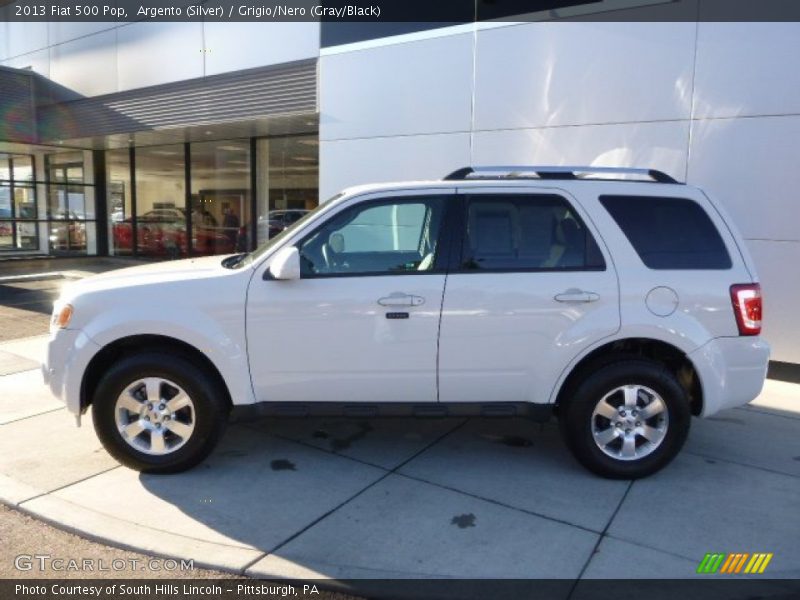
630 422
155 416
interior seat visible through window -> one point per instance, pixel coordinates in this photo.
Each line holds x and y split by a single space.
526 232
494 228
392 236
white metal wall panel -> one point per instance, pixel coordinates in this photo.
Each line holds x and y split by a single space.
404 89
777 267
345 163
65 31
236 46
25 37
658 145
751 166
87 65
152 53
747 69
550 74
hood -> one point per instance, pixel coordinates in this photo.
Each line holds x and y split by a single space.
150 274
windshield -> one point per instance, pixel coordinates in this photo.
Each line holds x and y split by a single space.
248 258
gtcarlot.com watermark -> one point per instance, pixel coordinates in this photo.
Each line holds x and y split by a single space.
47 562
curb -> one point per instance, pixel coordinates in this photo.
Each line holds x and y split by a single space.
130 536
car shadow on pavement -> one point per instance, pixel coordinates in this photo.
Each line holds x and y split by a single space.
475 498
34 295
25 307
389 497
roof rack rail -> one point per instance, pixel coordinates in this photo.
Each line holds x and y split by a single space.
521 172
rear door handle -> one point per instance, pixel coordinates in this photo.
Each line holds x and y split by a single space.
576 295
401 299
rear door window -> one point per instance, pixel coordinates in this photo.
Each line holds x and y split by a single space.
669 233
521 232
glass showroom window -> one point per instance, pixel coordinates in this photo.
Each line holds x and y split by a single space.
152 213
287 172
220 203
18 210
161 202
70 205
6 217
120 202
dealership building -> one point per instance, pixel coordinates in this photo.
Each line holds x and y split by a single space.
168 139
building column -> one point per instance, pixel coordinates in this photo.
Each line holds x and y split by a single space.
262 185
100 201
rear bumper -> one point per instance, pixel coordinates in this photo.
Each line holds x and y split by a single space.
731 370
68 354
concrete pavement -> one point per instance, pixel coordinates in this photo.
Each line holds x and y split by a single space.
405 498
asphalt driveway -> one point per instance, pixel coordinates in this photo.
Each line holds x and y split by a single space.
29 287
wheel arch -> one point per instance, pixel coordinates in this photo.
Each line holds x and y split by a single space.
133 344
669 355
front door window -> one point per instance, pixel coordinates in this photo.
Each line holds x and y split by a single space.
374 238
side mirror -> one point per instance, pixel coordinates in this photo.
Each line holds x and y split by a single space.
285 265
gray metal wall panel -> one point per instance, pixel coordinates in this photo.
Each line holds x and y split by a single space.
254 93
17 117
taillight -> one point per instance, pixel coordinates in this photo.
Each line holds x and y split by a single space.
746 298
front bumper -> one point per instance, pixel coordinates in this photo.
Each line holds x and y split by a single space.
731 370
69 352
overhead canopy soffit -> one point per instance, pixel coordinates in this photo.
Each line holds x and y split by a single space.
273 100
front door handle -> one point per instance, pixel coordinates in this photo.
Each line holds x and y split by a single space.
576 295
401 299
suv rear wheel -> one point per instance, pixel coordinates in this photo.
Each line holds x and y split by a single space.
158 413
626 420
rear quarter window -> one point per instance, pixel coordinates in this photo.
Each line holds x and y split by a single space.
669 233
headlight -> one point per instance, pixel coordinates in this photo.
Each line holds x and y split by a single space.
62 315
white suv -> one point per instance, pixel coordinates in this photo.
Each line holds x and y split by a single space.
618 299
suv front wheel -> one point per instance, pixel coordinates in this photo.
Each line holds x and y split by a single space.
626 420
158 413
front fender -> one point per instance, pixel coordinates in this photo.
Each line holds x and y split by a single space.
219 337
69 353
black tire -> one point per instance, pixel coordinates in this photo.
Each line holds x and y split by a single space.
210 412
577 424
